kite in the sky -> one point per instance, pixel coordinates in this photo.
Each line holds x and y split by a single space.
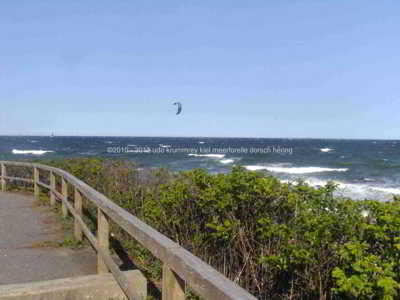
179 107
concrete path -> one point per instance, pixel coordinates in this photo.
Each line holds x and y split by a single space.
24 231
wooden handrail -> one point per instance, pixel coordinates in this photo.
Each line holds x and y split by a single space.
180 266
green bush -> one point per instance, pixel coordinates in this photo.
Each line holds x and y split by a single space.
277 240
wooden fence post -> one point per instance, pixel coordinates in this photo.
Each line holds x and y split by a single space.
3 179
103 240
64 191
36 189
78 209
52 189
173 287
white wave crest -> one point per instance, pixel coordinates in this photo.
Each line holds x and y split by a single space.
32 152
256 168
353 190
366 191
88 153
227 161
387 190
368 179
315 182
326 149
208 155
357 190
295 170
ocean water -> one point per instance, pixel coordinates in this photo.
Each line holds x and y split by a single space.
363 169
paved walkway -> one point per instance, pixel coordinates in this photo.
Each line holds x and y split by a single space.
24 230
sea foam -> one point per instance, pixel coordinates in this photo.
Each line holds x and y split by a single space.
226 161
395 191
33 152
357 190
352 190
295 170
208 155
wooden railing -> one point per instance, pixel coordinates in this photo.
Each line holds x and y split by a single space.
180 267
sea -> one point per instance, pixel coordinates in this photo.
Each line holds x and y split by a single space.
362 169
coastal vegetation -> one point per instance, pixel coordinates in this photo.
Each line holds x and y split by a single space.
277 240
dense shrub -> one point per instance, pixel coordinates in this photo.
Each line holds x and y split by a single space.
277 240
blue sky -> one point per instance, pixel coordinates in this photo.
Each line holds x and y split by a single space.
328 69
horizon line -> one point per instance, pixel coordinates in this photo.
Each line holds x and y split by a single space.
203 137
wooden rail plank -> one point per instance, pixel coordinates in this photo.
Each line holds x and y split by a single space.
52 189
78 210
3 177
103 240
86 231
173 286
27 180
64 191
44 185
36 190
